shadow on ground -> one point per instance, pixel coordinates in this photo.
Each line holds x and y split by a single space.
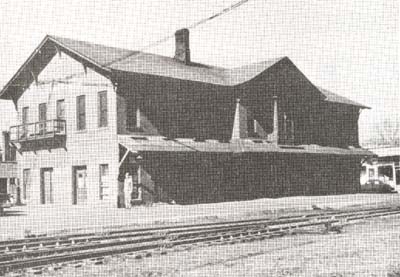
13 213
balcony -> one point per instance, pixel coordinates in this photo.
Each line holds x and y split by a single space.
39 135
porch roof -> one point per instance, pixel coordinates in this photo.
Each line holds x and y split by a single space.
139 144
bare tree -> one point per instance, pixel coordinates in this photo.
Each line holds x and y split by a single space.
387 133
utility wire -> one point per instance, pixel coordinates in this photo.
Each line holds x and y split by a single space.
166 38
140 52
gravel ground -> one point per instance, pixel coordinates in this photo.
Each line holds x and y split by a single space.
370 248
55 219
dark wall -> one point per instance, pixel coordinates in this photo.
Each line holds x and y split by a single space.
211 177
184 109
179 108
339 125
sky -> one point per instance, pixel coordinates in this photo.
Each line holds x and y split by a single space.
348 47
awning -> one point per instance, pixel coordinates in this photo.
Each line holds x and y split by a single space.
137 144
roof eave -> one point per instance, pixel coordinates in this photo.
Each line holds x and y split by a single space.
5 92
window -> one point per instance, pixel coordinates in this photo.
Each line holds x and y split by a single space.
26 183
386 172
25 111
103 189
250 128
42 112
371 173
81 112
288 127
102 107
42 118
131 115
24 131
60 109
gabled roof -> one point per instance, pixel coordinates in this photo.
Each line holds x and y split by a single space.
120 59
335 98
110 61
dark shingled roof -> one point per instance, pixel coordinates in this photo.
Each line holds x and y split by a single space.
139 62
335 98
109 60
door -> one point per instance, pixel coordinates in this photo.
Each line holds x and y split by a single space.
46 186
79 186
397 176
3 185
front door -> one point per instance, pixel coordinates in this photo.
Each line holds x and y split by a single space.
3 185
46 186
80 189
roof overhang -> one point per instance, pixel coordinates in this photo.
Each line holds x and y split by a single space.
38 60
140 144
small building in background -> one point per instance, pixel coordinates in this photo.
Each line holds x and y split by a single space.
383 168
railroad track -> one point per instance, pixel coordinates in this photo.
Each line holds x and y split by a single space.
56 250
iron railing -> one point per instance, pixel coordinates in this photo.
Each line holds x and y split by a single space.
38 130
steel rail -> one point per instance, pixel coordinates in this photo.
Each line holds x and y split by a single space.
169 240
84 237
23 251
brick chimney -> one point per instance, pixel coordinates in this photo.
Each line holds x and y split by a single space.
182 51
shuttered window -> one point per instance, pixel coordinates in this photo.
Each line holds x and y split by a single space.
102 108
81 112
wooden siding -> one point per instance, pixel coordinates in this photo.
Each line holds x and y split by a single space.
90 147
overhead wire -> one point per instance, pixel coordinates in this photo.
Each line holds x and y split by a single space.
140 52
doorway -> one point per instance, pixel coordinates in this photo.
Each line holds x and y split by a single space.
3 185
79 187
46 186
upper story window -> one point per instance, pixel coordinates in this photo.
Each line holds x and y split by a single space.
80 112
42 112
25 112
42 128
60 109
131 116
288 129
102 108
251 128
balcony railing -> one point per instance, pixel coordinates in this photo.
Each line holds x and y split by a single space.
38 130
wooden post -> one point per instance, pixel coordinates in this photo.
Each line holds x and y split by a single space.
275 132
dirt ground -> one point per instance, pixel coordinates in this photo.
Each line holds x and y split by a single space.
371 248
55 219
